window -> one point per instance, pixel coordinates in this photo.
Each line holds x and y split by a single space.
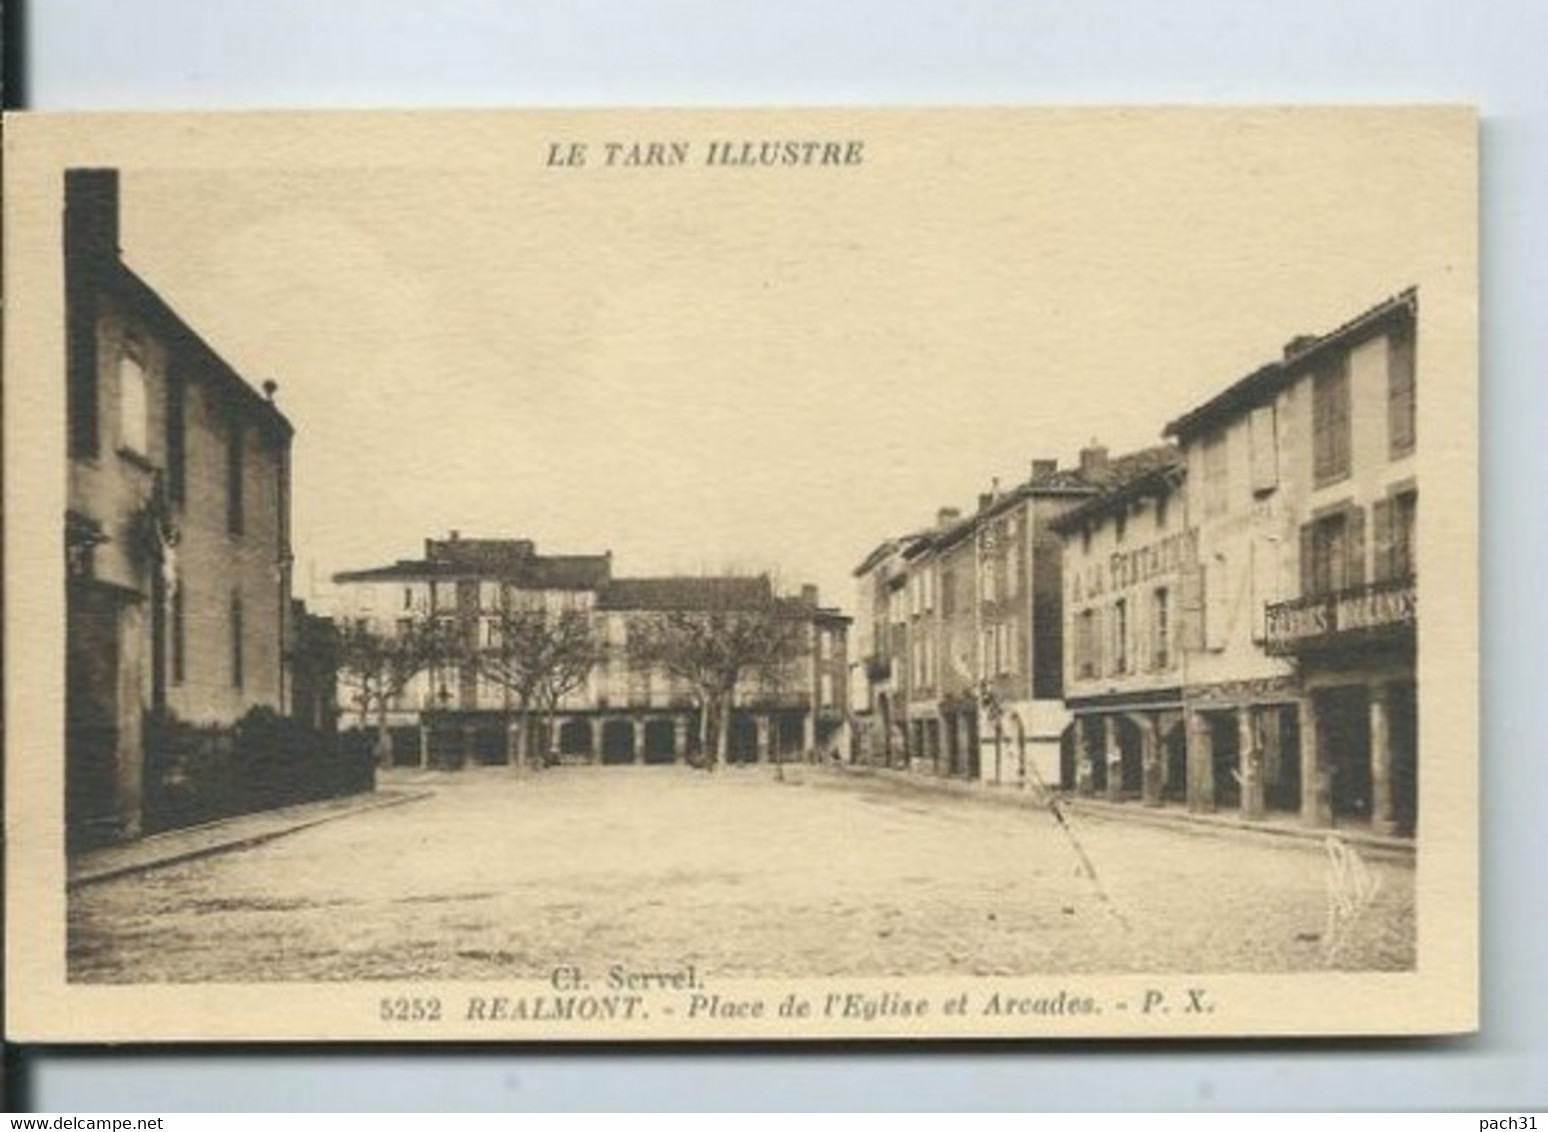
1395 546
1405 509
1400 393
948 593
1330 423
1161 509
177 437
1216 488
1161 629
1120 636
1333 552
825 686
179 639
1088 652
1120 524
133 427
1329 555
1216 602
1265 450
408 597
236 641
235 519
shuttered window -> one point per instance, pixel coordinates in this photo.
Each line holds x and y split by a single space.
1400 393
1333 552
1160 630
1392 522
1120 636
1265 450
1330 423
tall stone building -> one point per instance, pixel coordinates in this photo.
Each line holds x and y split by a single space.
964 651
1303 486
177 535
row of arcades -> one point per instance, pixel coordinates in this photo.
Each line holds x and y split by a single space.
1341 754
1333 749
482 738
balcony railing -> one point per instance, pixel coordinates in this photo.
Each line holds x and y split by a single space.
1376 611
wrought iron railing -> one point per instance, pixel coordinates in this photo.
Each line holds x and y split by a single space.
1374 609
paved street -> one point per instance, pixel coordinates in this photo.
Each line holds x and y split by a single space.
500 876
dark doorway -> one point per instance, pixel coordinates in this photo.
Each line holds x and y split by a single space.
617 742
1226 744
1403 732
1174 754
1281 760
789 737
1345 719
742 743
1131 758
575 739
91 714
1094 750
489 745
1067 756
660 741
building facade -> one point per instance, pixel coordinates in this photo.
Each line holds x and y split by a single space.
966 634
177 533
1130 565
1303 484
453 713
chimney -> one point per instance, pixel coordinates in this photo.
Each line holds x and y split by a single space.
809 596
946 516
455 535
984 499
1042 469
1093 459
1299 345
91 215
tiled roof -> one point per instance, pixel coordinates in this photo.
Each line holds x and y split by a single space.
1265 382
903 544
538 572
685 592
1151 471
1085 481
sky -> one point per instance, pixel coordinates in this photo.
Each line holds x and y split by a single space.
705 369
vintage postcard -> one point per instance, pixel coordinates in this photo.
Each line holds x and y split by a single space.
741 574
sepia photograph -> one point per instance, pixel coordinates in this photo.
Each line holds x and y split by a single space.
742 574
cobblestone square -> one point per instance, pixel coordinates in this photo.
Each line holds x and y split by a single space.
499 875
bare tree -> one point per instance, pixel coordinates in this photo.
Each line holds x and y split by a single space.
538 658
375 667
727 640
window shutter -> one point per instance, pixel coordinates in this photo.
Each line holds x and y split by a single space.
1309 584
1217 597
1354 573
1341 423
1381 521
1189 628
1265 453
1098 644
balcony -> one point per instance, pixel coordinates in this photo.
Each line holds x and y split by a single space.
1381 612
